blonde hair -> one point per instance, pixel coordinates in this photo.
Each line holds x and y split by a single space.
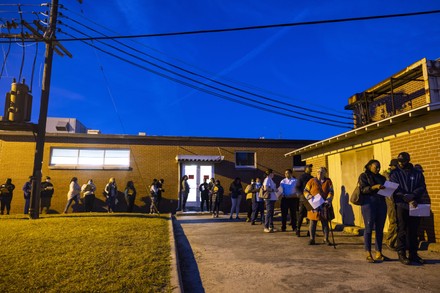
112 179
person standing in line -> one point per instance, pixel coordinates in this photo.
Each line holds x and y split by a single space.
204 194
217 197
27 190
88 189
130 196
249 191
153 194
6 193
373 208
184 192
391 238
73 195
407 195
111 193
257 202
323 186
160 189
300 186
289 200
211 185
269 186
46 192
236 190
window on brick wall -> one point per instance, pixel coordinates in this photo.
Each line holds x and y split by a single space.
89 158
245 160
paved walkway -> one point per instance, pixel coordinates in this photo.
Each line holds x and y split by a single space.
222 255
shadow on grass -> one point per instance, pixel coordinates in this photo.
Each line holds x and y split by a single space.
189 270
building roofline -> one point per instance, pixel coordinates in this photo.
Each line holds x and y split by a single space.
398 118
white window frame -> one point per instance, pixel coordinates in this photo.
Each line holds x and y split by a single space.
89 158
254 166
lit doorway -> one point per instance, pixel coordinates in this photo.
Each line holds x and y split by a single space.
196 173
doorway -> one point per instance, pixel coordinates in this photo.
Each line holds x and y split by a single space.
196 173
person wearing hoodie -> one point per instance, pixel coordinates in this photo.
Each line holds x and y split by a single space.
407 195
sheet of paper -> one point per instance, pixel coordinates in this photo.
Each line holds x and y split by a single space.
316 201
390 187
422 210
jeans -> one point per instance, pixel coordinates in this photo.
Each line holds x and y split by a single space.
312 229
289 205
302 213
374 212
270 207
184 199
27 203
130 202
257 207
69 202
235 206
407 231
205 200
110 201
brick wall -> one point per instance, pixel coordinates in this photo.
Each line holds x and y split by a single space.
149 159
317 162
423 146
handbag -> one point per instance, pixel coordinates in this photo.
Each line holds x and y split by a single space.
264 194
356 197
326 212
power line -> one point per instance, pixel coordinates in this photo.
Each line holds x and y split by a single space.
195 67
256 27
202 76
206 90
202 83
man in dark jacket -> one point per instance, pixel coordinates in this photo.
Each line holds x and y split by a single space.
411 188
27 189
46 193
300 185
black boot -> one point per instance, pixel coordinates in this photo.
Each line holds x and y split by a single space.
402 258
414 257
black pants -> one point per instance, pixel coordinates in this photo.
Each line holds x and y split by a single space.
406 231
45 204
6 202
302 213
204 200
89 201
130 202
249 208
289 205
184 199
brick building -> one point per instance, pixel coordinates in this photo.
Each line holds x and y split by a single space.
140 159
399 114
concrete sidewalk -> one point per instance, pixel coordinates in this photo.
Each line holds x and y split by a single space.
222 255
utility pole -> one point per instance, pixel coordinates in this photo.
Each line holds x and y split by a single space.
34 211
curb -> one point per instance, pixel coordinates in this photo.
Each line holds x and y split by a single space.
176 277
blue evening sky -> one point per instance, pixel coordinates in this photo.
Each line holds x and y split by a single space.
317 67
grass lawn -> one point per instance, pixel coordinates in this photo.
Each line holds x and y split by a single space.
85 253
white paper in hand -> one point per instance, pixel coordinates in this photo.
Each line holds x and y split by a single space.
422 210
316 201
390 187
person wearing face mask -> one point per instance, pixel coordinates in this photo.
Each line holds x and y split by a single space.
408 194
374 209
257 202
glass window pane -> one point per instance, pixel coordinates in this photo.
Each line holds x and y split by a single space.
117 158
245 159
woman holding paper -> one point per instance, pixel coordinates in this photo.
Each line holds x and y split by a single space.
374 208
316 188
269 185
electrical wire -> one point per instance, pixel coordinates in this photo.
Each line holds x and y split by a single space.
213 80
7 52
256 27
35 60
24 48
204 84
204 89
187 64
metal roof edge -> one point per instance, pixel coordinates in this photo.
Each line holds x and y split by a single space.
366 128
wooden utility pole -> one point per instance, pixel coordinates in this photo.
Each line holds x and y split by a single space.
49 35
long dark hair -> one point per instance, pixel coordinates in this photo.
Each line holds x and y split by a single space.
368 165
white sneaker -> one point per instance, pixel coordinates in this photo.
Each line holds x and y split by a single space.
266 230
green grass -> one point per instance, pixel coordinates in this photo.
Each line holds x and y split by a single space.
85 253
